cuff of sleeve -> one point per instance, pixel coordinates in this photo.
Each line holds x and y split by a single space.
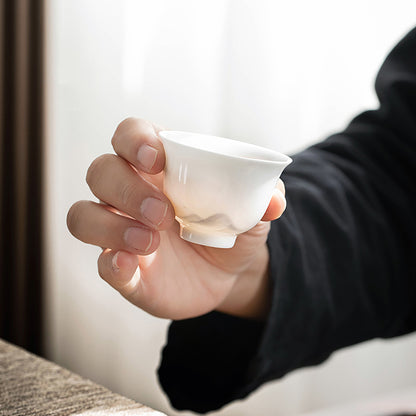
206 361
212 360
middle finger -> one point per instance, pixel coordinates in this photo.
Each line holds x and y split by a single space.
114 181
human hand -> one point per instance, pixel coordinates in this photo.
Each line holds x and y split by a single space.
143 256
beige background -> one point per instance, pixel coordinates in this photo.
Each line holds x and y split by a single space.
280 74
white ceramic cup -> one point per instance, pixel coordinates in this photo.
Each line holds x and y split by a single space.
219 187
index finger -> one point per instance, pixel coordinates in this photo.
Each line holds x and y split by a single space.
136 141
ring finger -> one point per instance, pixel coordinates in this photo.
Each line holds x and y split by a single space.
95 224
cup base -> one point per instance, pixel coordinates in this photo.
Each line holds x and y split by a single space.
211 240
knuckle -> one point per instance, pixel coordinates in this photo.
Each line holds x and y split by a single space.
131 128
129 121
125 124
73 218
101 268
128 195
95 169
115 139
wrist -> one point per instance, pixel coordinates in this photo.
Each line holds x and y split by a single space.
250 296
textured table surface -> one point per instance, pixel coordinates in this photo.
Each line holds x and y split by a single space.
30 385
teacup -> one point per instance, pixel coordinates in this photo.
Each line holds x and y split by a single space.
219 187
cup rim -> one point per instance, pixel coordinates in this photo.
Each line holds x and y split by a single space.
284 159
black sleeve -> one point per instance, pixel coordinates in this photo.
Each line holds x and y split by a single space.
342 257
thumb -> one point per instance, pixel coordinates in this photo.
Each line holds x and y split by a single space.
277 204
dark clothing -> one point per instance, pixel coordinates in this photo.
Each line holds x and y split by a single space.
342 257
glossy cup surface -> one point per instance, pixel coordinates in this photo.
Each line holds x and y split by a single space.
219 187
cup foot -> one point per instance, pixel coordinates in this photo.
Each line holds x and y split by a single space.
211 240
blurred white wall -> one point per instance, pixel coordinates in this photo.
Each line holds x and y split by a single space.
281 74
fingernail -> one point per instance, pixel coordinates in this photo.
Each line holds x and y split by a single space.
114 263
282 198
147 156
138 238
154 210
